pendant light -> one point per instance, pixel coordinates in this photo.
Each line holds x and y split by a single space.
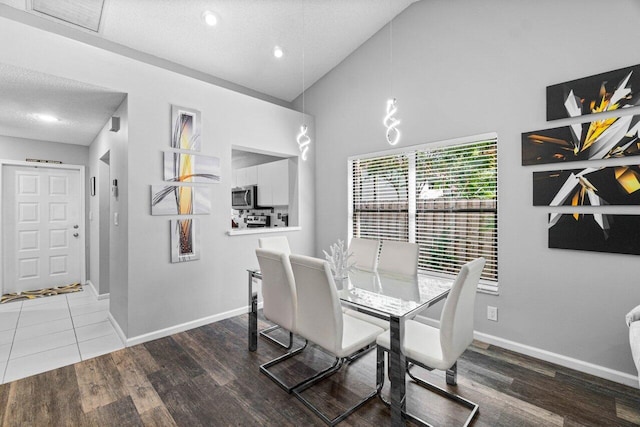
303 139
390 122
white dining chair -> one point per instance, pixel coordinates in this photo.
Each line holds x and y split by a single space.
279 303
320 320
276 243
365 253
433 348
399 258
279 244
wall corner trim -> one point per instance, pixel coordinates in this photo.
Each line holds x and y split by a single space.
548 356
118 329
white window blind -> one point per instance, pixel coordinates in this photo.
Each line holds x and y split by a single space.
380 197
444 198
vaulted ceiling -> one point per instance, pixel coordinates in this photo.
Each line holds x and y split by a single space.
315 36
239 49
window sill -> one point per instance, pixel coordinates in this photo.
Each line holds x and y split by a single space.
264 230
489 290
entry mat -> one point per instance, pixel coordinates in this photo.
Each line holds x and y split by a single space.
58 290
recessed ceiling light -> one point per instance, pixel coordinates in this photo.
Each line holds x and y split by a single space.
278 52
210 18
46 118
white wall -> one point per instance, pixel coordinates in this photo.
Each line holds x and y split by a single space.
463 67
160 294
12 148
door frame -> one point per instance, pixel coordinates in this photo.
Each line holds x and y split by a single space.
35 165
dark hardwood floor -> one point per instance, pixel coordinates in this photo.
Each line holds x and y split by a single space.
206 377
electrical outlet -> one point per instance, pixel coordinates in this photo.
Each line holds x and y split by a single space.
492 313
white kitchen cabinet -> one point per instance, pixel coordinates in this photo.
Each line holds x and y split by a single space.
273 183
245 176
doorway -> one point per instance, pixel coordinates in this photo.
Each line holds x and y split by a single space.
104 215
43 228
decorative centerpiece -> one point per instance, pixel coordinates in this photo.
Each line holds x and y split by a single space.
339 260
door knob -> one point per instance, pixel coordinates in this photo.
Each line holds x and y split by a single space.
75 234
76 226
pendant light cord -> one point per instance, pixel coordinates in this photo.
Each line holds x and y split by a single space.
391 46
303 58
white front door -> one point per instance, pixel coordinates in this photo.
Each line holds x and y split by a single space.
41 227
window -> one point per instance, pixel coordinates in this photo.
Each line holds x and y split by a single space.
442 196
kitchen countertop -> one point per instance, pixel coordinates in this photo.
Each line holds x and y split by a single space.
260 230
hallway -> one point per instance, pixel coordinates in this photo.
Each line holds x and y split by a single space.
51 332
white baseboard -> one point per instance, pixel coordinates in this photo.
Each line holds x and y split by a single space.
91 287
183 327
94 291
118 329
547 356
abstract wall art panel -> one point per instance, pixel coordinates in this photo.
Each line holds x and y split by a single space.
185 241
185 128
595 232
615 185
608 91
180 200
601 139
184 167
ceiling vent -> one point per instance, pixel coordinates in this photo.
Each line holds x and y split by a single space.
83 13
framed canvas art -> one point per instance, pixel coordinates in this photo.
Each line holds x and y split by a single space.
180 200
614 185
601 139
185 128
608 91
185 240
595 232
186 167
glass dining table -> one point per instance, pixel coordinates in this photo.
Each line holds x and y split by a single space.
390 297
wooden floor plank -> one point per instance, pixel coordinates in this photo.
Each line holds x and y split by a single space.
206 377
215 367
99 382
158 417
628 412
123 410
136 383
52 396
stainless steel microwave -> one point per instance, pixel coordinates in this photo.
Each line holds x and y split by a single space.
244 197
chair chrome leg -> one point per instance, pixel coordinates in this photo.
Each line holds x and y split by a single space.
264 332
264 368
465 402
324 374
452 374
360 353
380 374
454 369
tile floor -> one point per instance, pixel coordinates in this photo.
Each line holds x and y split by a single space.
50 332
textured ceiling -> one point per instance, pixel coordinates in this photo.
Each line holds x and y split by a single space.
240 48
82 109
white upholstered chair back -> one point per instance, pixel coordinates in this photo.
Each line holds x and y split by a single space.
276 243
456 320
319 313
278 288
365 253
399 258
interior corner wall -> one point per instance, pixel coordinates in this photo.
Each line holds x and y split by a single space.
109 258
461 68
162 296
